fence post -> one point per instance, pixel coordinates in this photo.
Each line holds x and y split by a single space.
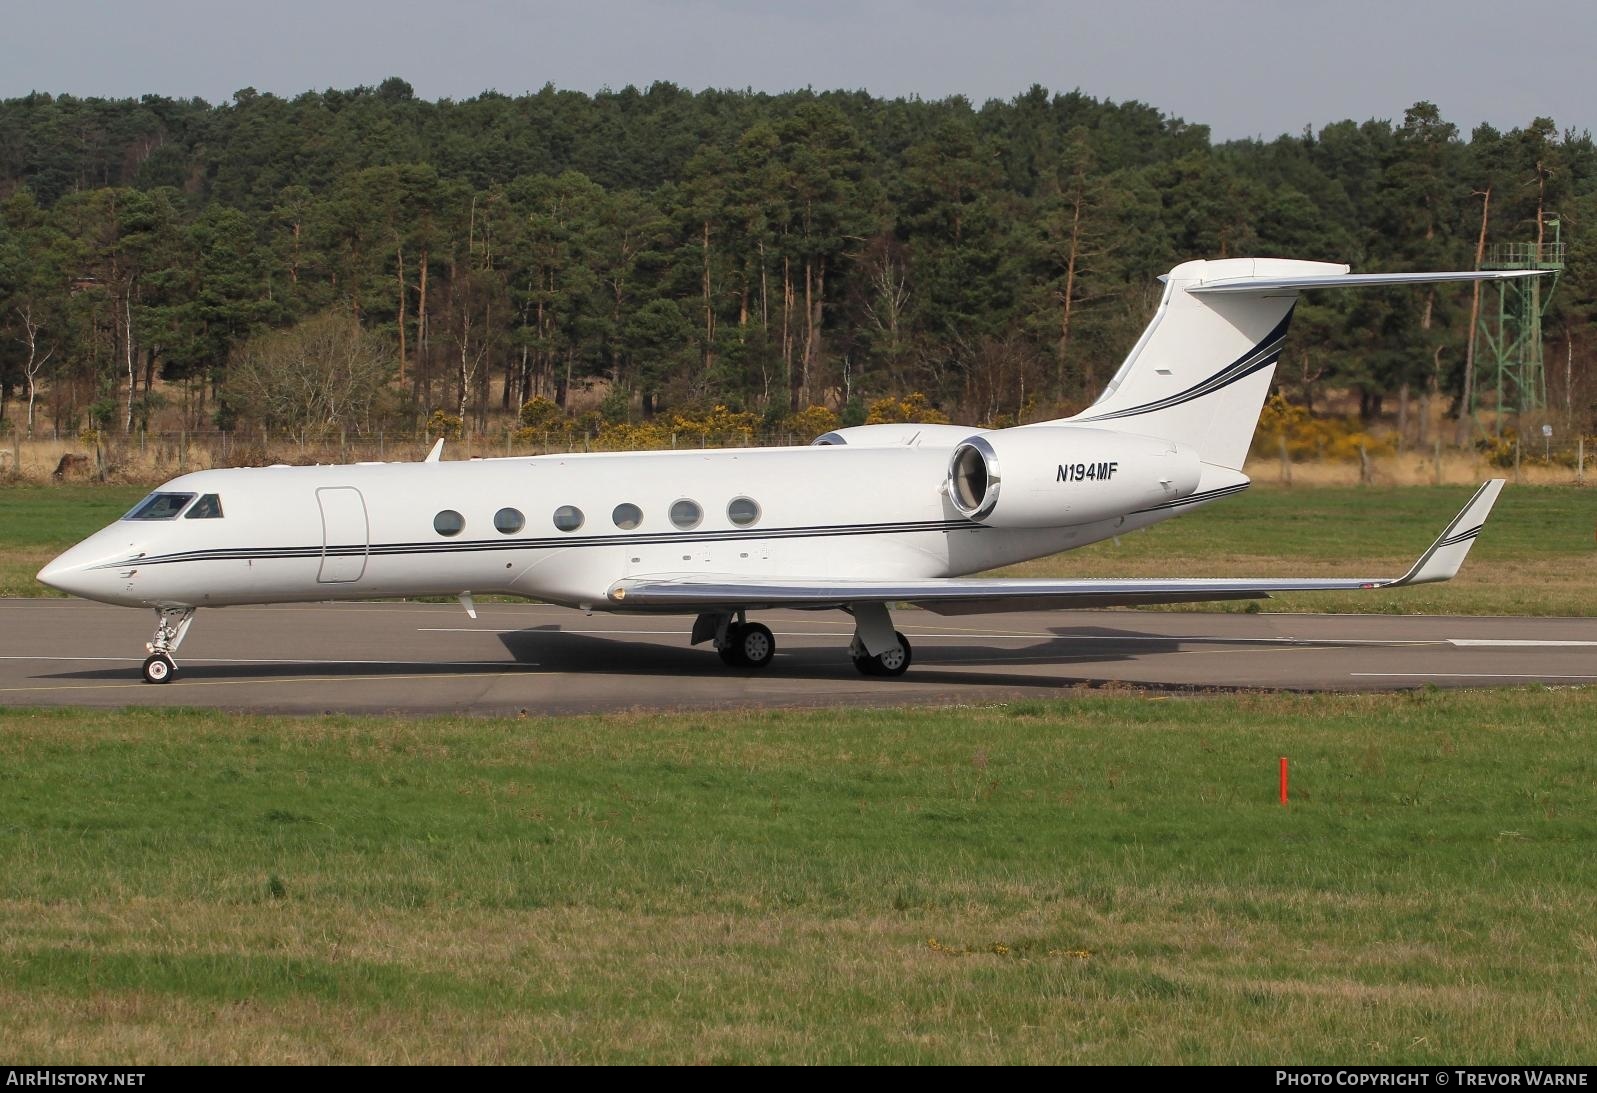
1364 465
1516 461
1286 461
1580 460
1437 468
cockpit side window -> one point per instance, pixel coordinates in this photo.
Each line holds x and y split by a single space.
208 507
160 506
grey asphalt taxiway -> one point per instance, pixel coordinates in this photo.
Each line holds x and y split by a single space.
432 658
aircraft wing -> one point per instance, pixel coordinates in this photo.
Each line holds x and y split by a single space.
971 595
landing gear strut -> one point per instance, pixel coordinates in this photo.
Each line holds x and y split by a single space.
172 623
878 649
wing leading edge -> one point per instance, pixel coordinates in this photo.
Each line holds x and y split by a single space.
960 595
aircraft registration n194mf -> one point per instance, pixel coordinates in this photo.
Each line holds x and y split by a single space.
862 518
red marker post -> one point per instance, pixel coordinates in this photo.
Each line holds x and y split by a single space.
1283 779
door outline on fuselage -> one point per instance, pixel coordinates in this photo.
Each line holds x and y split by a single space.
343 519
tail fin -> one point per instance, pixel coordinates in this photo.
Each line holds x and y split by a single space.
1201 370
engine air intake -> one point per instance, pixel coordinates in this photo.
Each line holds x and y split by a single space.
973 479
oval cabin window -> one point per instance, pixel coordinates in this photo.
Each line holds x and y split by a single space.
509 521
686 514
627 516
743 512
568 518
449 522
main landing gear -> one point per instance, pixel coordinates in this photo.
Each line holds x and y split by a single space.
877 649
172 623
740 643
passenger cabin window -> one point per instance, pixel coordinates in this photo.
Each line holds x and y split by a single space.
160 506
208 507
449 522
509 521
743 511
686 514
627 516
568 518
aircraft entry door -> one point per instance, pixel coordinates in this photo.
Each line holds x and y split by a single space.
344 534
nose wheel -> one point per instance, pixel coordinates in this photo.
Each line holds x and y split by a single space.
158 668
171 625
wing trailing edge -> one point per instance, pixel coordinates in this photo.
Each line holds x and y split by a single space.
965 595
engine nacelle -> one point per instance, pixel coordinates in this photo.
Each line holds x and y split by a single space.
1057 476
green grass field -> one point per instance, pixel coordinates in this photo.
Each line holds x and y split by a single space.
1535 557
1104 879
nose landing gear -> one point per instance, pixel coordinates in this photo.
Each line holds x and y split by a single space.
172 623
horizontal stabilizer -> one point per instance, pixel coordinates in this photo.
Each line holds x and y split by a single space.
969 595
1265 285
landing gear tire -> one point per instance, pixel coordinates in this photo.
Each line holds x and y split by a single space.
755 645
748 645
894 662
158 668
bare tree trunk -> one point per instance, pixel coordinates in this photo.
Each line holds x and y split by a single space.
814 295
35 363
787 332
1402 418
404 294
464 374
709 306
419 373
1069 295
1466 408
127 349
1569 378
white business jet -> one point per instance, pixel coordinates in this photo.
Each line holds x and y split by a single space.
863 518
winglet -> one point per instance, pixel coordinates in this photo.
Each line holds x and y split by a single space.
437 453
1441 562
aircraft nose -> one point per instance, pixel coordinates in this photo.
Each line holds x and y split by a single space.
63 575
82 570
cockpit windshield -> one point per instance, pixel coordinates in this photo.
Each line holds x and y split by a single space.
208 507
160 506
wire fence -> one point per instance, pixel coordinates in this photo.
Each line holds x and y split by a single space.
154 456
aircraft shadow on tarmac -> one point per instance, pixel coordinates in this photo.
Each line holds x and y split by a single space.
548 648
553 649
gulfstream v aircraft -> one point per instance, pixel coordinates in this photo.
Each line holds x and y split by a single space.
861 519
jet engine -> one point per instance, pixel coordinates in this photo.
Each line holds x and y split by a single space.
1057 476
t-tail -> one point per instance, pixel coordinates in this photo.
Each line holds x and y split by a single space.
1201 370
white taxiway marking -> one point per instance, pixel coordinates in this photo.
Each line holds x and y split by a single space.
1517 643
507 664
1463 675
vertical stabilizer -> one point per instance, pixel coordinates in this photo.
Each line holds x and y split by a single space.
1201 370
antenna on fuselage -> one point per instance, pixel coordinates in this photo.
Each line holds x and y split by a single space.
437 453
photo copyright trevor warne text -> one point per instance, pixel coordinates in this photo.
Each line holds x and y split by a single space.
1434 1077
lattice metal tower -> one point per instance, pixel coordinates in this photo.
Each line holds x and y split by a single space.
1511 333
